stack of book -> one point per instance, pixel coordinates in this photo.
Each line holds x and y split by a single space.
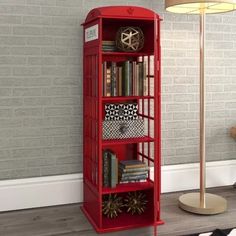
109 46
110 169
127 78
132 171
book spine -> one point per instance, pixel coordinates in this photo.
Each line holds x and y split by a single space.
133 166
140 79
139 177
113 79
117 81
134 78
105 169
133 181
137 80
130 78
132 174
113 170
108 42
132 161
125 78
104 76
120 80
108 83
123 170
109 48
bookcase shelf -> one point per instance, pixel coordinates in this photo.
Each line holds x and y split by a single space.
127 221
129 187
127 98
127 141
128 54
121 89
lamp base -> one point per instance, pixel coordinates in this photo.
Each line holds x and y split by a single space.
214 204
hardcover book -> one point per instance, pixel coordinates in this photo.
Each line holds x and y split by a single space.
104 78
113 79
105 169
113 170
139 177
126 78
129 174
127 164
110 169
123 170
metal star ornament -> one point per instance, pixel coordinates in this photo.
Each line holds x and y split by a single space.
111 205
136 202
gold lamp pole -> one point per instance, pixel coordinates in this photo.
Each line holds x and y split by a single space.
201 202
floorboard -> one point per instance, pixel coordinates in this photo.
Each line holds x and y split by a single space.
68 220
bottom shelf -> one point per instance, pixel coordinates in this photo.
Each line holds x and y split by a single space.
129 187
122 223
126 220
100 215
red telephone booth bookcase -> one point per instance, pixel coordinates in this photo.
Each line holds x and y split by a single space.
101 60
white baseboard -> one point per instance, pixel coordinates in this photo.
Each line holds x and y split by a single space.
186 176
65 189
40 192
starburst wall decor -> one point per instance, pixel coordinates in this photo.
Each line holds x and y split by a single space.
129 39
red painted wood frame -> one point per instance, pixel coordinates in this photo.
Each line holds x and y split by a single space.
148 148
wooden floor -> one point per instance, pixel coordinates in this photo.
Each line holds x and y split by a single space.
69 221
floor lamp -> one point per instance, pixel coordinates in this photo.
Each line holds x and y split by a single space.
201 202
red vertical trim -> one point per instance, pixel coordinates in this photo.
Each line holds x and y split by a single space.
100 119
84 132
157 120
149 120
159 115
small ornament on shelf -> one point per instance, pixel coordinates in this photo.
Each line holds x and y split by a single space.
135 202
129 39
112 205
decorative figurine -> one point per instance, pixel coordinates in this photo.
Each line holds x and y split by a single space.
129 39
112 205
135 202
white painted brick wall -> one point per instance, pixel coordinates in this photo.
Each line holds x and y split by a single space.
41 85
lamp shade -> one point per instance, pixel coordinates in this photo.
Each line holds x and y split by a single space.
200 6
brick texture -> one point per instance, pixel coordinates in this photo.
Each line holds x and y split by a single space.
41 85
180 64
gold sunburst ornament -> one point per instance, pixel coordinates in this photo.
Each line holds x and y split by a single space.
129 39
111 205
135 202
